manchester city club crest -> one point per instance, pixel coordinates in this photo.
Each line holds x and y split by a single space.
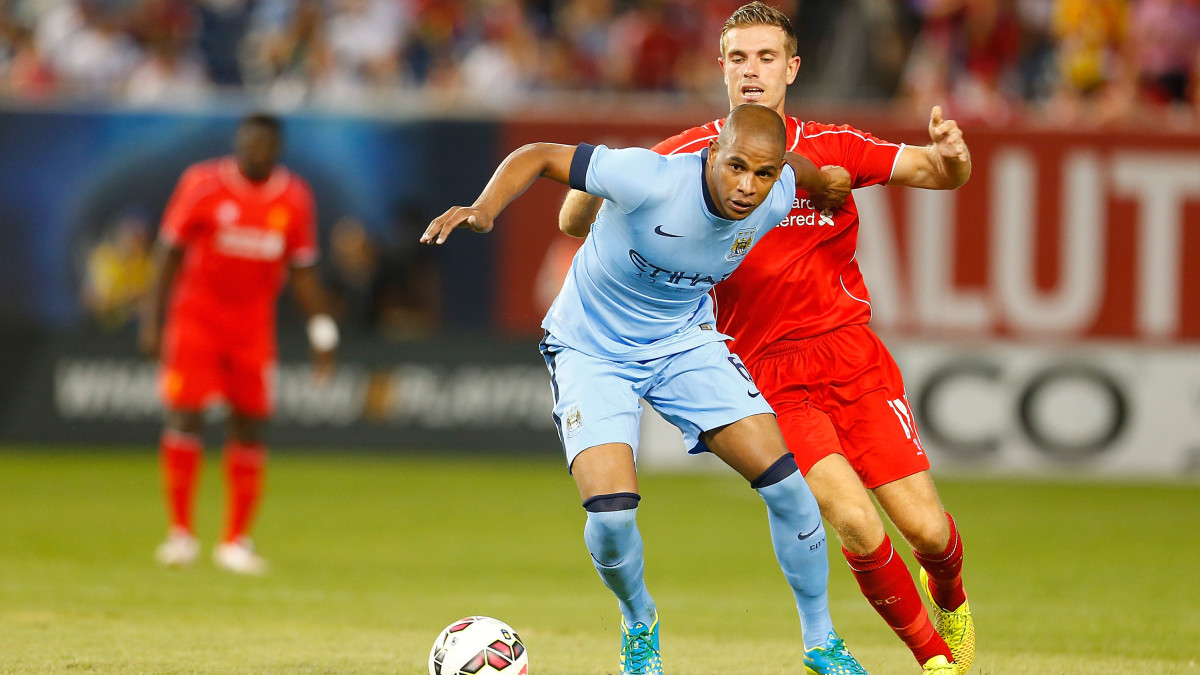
574 420
741 244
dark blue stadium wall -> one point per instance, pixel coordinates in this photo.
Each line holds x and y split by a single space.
67 177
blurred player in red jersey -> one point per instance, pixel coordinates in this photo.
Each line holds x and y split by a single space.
798 309
233 230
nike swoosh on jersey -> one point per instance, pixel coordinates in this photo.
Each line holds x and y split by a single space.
659 231
753 394
802 536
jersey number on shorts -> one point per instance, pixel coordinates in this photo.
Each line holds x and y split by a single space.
904 414
741 368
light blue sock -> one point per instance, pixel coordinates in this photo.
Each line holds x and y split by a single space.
799 540
613 539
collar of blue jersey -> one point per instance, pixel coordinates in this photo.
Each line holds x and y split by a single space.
708 200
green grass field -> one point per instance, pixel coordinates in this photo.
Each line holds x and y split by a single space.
372 556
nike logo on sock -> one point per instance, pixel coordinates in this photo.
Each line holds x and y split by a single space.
802 536
600 564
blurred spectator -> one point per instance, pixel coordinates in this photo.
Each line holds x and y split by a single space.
647 45
171 70
967 54
1089 61
223 25
497 69
167 74
850 50
880 34
429 57
118 271
393 290
408 289
1090 35
8 33
1165 48
171 22
1037 49
656 45
290 56
24 73
991 60
930 66
355 261
364 41
581 43
85 43
1093 84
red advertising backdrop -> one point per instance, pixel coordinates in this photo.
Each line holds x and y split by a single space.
1057 235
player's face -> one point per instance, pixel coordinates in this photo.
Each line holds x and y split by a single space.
740 176
257 150
757 68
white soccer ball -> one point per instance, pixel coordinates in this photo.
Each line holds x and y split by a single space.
478 644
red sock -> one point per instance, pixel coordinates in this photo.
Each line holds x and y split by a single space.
245 464
945 571
888 586
180 458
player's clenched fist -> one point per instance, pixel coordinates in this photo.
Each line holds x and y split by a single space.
457 216
946 136
834 189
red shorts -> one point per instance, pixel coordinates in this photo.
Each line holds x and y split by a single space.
841 392
201 367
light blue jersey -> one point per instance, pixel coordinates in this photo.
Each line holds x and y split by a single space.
639 286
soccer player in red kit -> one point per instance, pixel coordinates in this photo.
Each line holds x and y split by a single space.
798 309
234 230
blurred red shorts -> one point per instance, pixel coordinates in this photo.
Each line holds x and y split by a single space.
201 367
842 392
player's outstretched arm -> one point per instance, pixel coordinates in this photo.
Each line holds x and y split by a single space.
167 261
944 164
578 213
516 173
827 187
322 331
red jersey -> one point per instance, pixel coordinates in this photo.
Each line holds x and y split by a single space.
238 238
802 279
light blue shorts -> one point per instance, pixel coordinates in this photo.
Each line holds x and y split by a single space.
596 400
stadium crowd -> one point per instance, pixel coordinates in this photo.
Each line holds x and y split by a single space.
1078 60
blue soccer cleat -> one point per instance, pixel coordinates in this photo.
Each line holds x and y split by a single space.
639 649
831 658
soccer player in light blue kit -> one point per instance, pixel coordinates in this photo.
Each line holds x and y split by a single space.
634 320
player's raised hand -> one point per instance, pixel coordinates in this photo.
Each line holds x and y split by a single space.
834 188
946 136
457 216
